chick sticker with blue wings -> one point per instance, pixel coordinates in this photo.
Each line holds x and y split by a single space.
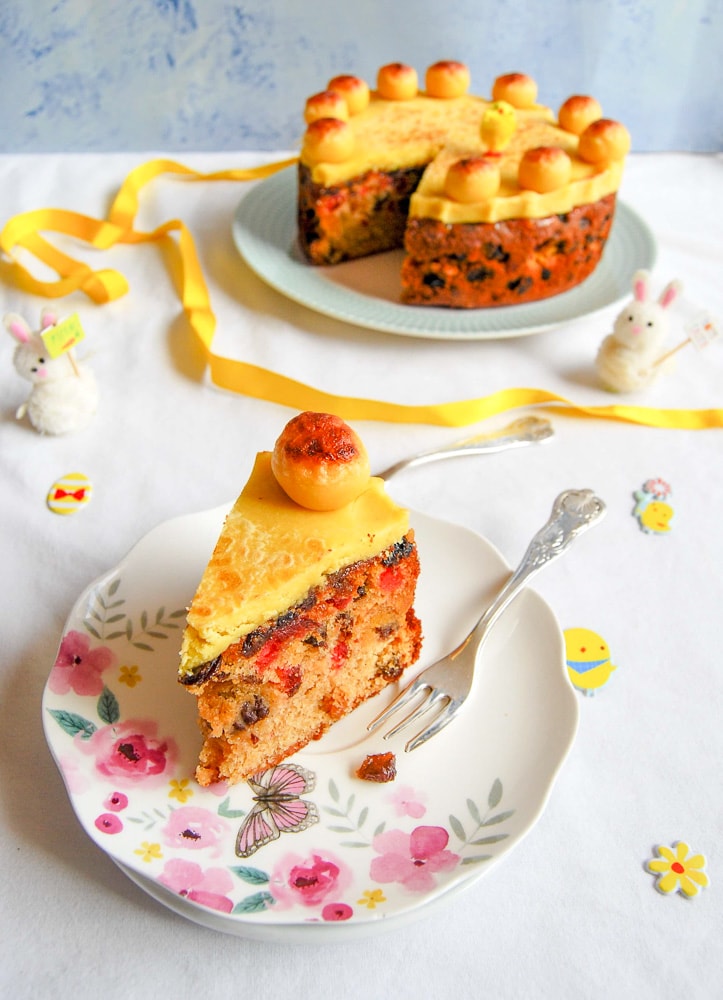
652 509
588 660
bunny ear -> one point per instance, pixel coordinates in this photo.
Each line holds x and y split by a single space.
670 293
48 318
640 285
17 327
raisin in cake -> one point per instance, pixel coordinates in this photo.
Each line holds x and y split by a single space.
495 201
306 606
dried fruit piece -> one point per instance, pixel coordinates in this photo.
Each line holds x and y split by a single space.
378 767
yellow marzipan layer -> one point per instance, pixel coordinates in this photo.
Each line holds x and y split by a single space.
587 185
271 552
394 135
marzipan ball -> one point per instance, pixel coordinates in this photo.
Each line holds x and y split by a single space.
320 462
578 112
517 89
604 141
544 169
397 82
327 104
447 79
354 90
328 140
472 179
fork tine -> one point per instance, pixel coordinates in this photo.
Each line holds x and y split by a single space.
443 719
431 699
404 697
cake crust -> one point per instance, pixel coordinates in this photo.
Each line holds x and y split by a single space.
503 263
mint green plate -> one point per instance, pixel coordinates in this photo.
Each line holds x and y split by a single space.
366 292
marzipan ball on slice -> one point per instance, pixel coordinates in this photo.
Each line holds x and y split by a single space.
320 462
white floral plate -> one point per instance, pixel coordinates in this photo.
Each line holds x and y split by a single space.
361 857
366 291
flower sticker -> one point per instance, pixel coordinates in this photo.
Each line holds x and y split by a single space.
412 859
79 668
677 871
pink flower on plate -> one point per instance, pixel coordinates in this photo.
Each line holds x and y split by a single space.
337 911
130 751
208 887
109 823
76 780
116 802
309 881
78 667
412 859
407 802
195 829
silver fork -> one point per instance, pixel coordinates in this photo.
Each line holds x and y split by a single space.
445 684
526 430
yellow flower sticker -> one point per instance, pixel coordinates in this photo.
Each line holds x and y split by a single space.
180 789
130 676
370 898
149 852
676 870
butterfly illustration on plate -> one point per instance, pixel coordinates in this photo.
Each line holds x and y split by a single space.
278 807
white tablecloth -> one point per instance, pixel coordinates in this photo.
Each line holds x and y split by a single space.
571 911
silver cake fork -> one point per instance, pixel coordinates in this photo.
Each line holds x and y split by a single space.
444 685
524 431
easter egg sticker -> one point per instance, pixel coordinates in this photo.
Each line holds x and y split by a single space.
69 493
652 508
588 660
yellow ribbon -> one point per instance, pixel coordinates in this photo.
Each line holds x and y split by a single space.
24 231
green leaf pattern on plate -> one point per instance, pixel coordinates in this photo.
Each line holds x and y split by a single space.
106 620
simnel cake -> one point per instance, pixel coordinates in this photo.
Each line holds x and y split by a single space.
495 201
305 609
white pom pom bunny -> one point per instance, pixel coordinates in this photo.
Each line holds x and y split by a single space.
64 394
627 357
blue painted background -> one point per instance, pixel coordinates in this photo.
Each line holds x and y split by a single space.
174 75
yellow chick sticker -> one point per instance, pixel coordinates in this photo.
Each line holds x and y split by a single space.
652 509
588 660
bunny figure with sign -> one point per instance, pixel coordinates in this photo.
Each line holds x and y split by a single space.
64 394
631 357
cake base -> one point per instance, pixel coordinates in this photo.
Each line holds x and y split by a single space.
474 265
285 683
363 216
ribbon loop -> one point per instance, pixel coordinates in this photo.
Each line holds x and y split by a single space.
102 286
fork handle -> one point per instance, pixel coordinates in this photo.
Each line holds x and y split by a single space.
524 431
573 512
